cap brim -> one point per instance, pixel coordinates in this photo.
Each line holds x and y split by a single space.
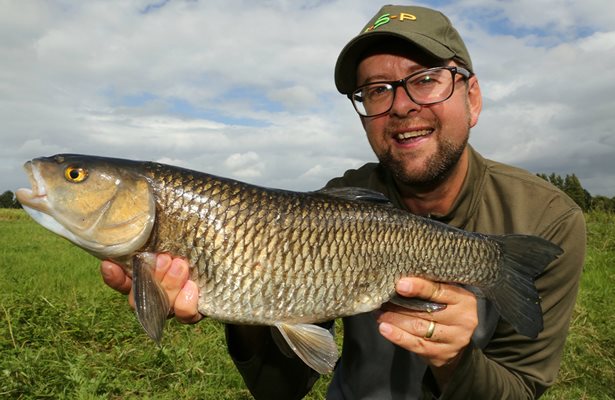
348 60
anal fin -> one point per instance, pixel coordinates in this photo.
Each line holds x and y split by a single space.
151 302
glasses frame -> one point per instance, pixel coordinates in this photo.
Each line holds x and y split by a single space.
402 83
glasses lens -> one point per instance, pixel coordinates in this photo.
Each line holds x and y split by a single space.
373 99
430 86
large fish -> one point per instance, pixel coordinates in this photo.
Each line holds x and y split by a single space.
273 257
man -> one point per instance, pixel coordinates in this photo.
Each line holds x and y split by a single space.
409 76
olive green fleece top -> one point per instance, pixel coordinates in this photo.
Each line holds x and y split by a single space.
499 363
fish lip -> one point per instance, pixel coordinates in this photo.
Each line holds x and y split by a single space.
36 197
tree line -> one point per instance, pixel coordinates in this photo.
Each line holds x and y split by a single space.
570 184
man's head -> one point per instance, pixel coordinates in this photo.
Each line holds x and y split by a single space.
411 79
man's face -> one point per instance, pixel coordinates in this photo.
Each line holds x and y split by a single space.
419 144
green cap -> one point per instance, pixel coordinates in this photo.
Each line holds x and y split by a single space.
422 27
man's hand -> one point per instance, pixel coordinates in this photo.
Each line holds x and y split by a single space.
439 337
172 274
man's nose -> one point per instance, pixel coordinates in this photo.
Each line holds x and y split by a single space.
403 103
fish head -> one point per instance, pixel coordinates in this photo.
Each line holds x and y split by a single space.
105 206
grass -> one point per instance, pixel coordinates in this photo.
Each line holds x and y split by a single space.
64 334
588 367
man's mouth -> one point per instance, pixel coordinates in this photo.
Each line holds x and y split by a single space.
410 136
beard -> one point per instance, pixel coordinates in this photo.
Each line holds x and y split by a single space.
436 169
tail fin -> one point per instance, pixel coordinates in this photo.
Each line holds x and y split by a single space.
514 294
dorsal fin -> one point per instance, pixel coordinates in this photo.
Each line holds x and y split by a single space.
356 194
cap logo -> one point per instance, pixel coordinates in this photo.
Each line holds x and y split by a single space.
386 18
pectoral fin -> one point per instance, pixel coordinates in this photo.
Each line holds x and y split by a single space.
416 304
313 344
151 302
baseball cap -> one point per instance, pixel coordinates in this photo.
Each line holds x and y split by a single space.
426 29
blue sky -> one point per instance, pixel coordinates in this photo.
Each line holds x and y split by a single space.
245 89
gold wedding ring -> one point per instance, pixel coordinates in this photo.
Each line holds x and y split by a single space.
430 330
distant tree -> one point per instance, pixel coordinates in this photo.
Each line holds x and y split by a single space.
553 179
573 188
588 200
8 200
557 181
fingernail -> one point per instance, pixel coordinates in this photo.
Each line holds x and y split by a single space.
404 286
189 292
177 269
106 270
162 261
385 328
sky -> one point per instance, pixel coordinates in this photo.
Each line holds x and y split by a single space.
244 89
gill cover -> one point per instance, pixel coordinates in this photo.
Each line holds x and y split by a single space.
106 206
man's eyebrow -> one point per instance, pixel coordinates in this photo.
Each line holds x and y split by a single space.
383 78
375 78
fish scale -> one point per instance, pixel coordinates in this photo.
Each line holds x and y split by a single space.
274 257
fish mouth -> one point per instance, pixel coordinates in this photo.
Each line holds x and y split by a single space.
35 202
412 135
35 198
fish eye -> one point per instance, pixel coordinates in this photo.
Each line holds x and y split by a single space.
75 174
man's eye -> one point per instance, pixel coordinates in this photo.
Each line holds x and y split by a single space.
376 92
424 81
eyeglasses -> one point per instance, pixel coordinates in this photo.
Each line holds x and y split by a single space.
427 86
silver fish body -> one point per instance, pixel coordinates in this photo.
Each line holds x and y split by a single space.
274 257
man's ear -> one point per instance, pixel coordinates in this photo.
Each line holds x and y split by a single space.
475 100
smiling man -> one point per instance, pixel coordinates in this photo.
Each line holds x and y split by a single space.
410 78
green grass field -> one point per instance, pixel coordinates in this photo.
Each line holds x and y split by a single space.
64 334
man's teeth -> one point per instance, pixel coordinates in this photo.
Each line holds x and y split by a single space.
412 134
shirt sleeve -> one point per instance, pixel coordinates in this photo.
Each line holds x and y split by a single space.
513 366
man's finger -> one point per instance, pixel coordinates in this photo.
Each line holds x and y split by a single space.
175 278
163 264
427 290
186 304
115 277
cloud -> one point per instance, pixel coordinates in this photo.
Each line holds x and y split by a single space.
245 89
295 98
245 166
